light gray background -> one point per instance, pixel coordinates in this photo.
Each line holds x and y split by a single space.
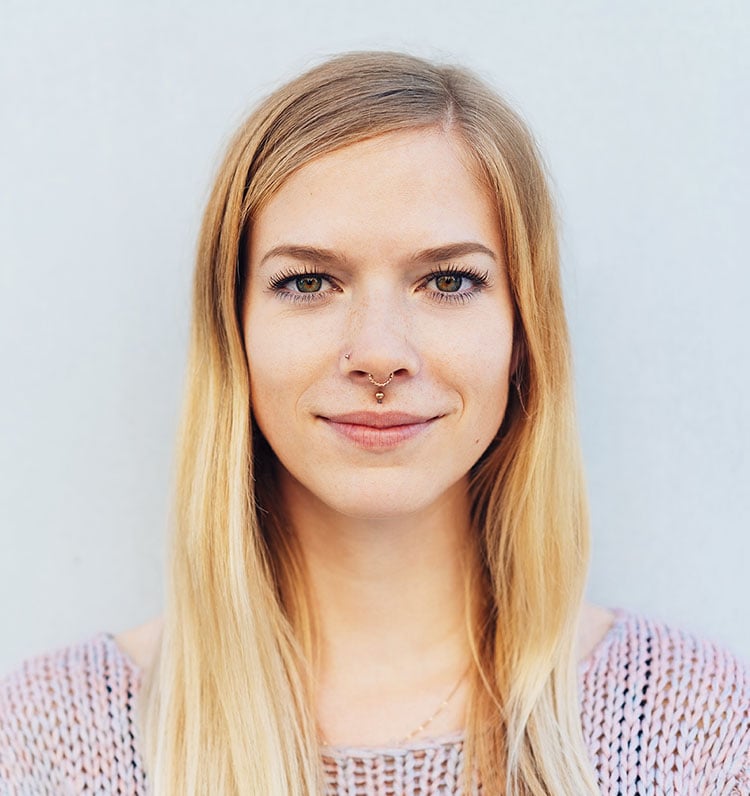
114 115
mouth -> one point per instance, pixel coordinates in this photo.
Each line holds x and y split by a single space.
379 430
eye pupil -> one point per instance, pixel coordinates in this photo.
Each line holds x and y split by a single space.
309 284
448 283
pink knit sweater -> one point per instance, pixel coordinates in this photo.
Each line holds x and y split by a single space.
662 713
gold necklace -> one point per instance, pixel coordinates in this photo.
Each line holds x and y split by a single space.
426 723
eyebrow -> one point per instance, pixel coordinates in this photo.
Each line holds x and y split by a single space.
437 254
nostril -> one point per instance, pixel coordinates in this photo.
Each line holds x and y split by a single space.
379 374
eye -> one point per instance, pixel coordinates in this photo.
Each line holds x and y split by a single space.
455 283
302 286
449 283
308 283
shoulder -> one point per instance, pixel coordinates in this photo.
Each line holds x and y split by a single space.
67 720
139 644
665 709
594 623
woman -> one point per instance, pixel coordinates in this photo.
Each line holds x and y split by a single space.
381 541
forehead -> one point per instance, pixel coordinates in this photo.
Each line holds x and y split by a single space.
414 188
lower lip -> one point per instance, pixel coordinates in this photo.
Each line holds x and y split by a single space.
373 438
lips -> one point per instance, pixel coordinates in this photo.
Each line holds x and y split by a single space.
379 419
379 430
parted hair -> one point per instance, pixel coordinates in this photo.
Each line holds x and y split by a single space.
226 707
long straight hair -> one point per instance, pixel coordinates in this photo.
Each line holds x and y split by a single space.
227 707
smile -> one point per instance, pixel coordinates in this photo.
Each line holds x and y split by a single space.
379 431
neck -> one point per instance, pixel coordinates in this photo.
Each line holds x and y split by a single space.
386 590
389 598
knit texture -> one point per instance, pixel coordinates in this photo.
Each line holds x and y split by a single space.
662 713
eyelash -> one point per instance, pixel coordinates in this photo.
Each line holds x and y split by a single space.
480 280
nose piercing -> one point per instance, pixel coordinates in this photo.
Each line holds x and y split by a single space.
379 395
380 383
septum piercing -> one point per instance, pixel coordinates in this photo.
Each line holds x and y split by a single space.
380 383
379 395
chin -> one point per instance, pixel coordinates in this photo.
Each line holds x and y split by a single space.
388 498
376 510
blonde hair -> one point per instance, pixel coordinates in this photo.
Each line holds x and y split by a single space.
226 707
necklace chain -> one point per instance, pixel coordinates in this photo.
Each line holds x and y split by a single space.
426 723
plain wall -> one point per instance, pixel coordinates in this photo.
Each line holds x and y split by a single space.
114 117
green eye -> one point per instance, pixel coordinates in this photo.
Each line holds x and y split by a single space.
309 283
448 283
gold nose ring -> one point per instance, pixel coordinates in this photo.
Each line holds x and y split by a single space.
380 383
379 395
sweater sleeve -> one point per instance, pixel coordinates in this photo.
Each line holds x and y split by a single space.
664 712
67 724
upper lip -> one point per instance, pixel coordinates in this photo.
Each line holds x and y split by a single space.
379 419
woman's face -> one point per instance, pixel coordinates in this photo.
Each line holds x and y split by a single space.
383 257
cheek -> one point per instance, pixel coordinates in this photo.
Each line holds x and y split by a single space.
283 364
275 380
485 376
278 351
484 351
273 401
269 371
491 401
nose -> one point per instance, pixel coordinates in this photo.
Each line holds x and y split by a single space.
379 344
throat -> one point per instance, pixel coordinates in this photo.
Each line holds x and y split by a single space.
392 714
391 606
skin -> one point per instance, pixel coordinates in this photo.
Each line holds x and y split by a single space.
344 280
